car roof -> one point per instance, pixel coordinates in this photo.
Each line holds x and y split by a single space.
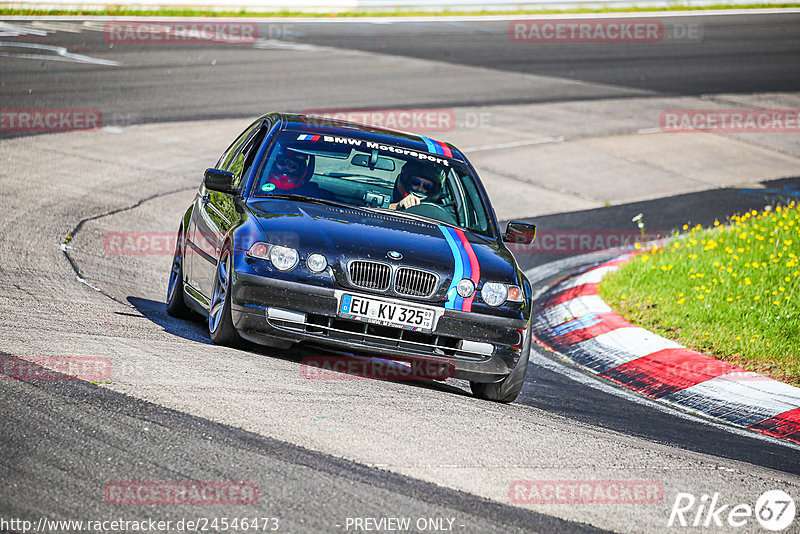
324 125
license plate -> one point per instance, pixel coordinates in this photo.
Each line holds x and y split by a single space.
386 313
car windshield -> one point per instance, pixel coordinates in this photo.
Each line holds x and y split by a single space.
364 174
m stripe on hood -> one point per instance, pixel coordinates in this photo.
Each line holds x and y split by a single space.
466 266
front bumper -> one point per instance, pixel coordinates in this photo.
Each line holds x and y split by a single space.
478 347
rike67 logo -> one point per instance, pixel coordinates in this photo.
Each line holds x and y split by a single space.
774 510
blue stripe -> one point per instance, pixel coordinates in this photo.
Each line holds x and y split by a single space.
433 148
453 300
464 258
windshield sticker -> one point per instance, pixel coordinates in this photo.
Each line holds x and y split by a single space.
437 147
371 145
268 187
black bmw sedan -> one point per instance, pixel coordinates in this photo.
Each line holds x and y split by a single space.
370 241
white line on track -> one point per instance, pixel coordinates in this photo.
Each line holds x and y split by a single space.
526 142
59 53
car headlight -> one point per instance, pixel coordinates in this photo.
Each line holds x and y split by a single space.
316 263
494 294
465 288
283 258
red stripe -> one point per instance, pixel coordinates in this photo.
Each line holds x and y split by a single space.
785 425
445 149
316 138
608 322
582 290
669 370
475 267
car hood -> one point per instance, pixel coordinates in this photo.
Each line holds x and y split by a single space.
342 234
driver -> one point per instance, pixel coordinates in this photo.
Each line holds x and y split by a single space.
416 182
291 173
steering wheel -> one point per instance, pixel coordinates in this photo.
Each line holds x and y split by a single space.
433 211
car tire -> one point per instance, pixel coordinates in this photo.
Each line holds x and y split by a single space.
176 305
509 388
220 323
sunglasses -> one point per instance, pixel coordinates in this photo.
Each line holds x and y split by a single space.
421 183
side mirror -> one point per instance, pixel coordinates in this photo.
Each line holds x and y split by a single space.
520 233
217 180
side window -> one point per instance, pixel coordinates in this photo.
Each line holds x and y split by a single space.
229 157
245 157
476 216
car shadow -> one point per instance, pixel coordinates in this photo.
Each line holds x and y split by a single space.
303 354
157 313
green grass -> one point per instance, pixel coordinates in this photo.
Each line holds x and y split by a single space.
730 291
125 12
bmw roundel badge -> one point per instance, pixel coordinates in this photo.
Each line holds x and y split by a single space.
394 255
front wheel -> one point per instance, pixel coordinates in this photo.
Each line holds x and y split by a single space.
509 388
220 323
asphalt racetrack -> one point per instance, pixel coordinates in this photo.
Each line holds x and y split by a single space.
565 134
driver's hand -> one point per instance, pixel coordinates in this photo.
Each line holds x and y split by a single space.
409 201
